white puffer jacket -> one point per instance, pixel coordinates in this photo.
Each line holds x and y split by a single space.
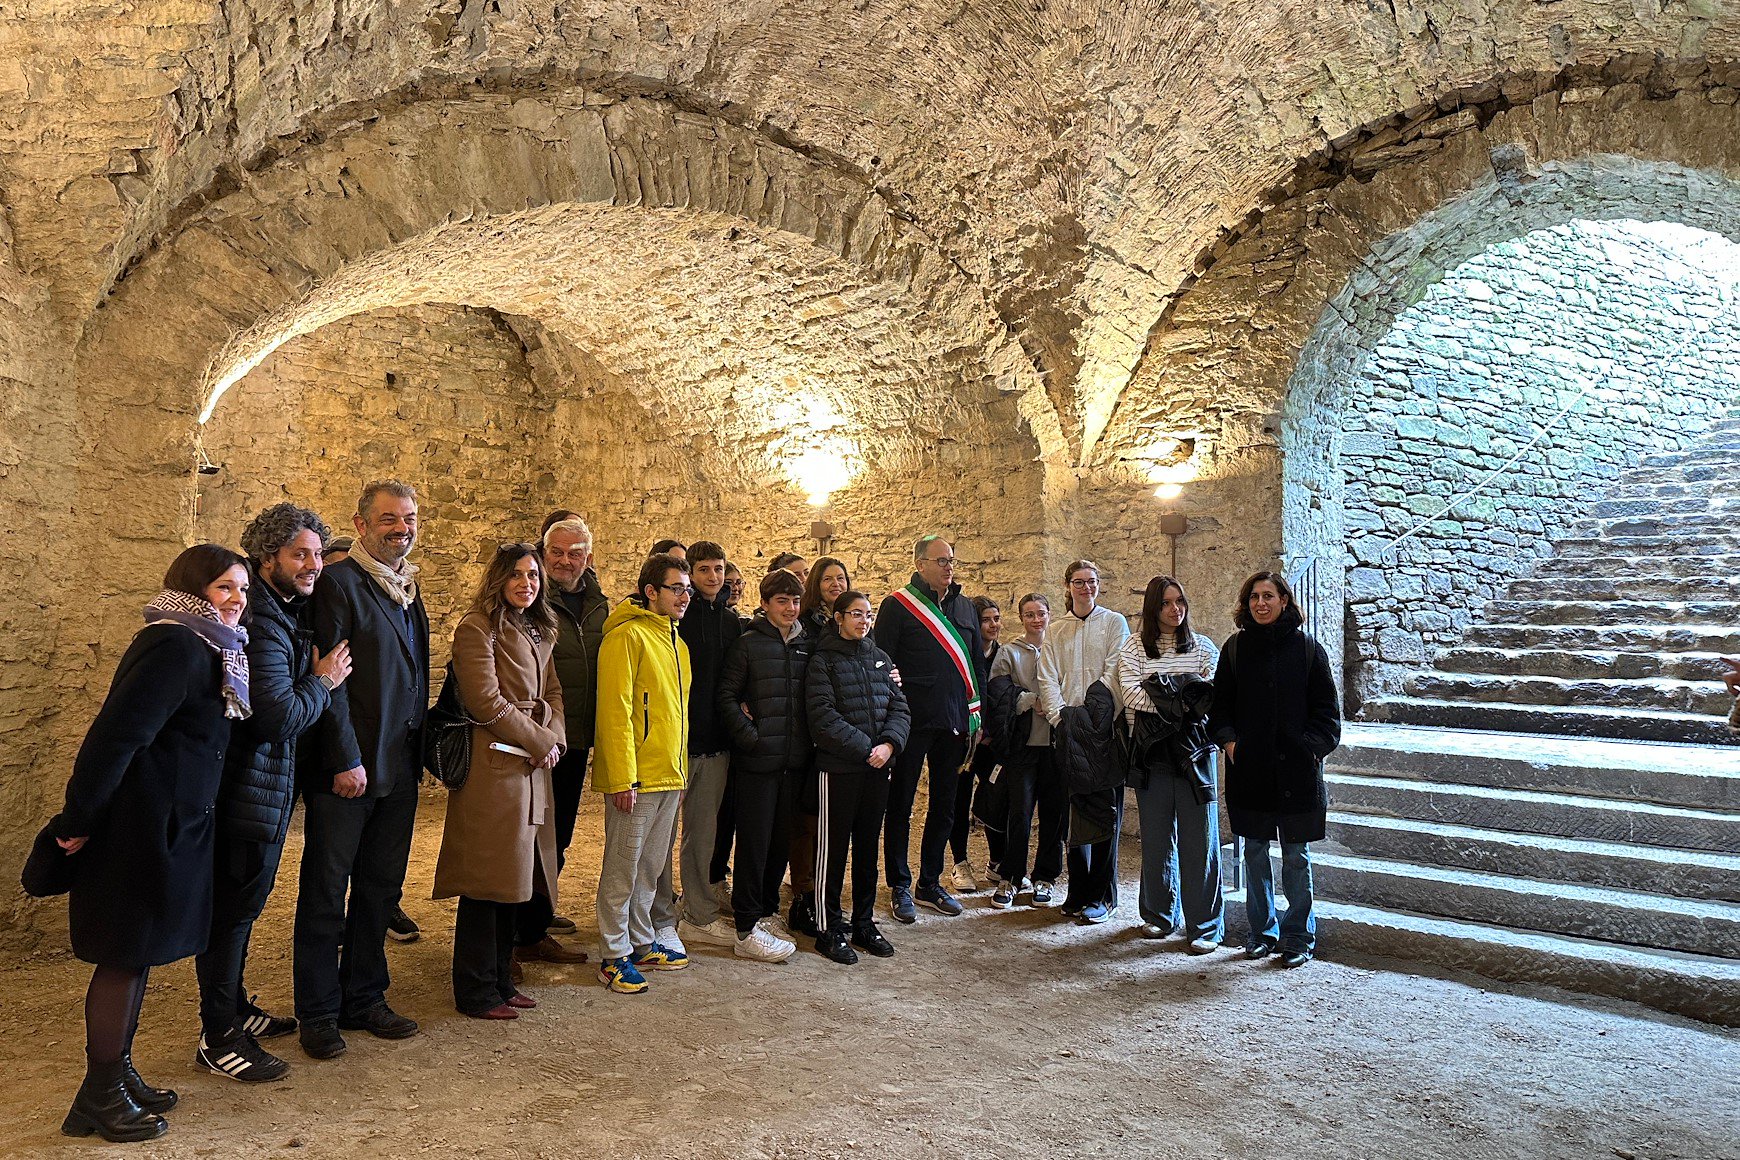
1077 653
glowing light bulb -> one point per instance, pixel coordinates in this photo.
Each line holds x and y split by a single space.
1169 491
819 472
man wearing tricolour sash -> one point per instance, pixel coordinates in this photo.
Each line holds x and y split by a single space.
931 632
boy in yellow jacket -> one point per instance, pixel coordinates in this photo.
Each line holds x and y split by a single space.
640 761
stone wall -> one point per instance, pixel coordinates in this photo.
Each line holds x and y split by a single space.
440 397
1604 334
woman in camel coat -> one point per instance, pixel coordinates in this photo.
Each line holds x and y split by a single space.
499 845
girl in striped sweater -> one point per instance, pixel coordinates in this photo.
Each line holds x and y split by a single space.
1180 836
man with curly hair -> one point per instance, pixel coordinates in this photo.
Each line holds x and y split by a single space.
290 686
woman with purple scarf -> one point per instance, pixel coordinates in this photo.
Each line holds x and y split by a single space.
139 820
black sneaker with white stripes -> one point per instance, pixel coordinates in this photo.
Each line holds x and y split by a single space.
264 1025
241 1059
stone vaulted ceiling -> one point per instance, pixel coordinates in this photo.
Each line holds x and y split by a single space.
1075 162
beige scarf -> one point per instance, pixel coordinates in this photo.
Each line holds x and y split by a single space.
400 587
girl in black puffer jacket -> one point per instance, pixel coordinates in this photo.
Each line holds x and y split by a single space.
859 722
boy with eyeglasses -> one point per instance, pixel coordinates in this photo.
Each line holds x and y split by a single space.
640 761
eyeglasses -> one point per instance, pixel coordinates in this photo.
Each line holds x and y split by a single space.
517 544
857 614
1084 583
678 589
940 561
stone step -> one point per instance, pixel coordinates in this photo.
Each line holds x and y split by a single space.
1704 697
1558 721
1722 612
1687 524
1559 815
1654 638
1690 666
1703 586
1620 566
1703 545
1645 869
1696 926
1694 986
1693 776
1719 449
1603 509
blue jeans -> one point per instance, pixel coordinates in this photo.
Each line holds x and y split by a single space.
1297 929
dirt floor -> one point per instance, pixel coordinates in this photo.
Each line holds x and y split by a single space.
993 1034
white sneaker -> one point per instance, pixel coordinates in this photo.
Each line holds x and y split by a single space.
1204 946
764 947
964 880
775 926
721 932
667 937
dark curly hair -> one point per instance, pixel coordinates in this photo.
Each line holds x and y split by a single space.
277 526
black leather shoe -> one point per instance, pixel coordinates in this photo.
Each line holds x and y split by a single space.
152 1099
833 946
382 1022
321 1040
103 1107
870 940
802 919
1294 958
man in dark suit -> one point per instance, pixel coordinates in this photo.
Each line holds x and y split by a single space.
360 786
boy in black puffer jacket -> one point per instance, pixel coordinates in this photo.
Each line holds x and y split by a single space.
761 698
859 720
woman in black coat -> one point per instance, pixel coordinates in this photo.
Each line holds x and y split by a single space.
859 722
139 819
1276 714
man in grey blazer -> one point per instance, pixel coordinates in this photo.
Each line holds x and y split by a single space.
360 780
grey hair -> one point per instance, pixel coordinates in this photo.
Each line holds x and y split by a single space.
277 526
388 486
925 542
577 526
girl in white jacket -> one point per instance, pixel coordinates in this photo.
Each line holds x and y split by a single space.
1081 647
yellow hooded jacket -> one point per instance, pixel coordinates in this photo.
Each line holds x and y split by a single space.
642 736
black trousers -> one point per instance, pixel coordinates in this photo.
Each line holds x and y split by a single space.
970 782
849 820
1093 870
763 814
1034 783
944 751
483 951
567 786
242 876
353 870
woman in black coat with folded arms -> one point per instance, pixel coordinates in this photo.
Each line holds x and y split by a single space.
859 723
1276 714
139 818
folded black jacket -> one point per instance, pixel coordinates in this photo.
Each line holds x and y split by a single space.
1175 736
1091 759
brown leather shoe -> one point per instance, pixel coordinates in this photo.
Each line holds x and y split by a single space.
520 1002
548 950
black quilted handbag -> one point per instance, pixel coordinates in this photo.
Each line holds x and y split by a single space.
447 736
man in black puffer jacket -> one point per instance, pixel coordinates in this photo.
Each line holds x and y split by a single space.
761 697
290 686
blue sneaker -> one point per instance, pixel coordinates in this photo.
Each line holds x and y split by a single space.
620 975
1095 913
659 957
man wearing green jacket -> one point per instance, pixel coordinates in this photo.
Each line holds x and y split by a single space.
640 761
581 608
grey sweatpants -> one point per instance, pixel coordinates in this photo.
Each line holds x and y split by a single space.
637 854
700 830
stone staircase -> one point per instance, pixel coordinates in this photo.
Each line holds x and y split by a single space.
1601 866
1620 632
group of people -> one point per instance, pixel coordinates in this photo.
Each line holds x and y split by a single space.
728 747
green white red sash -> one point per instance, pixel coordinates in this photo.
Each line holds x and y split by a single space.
925 610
